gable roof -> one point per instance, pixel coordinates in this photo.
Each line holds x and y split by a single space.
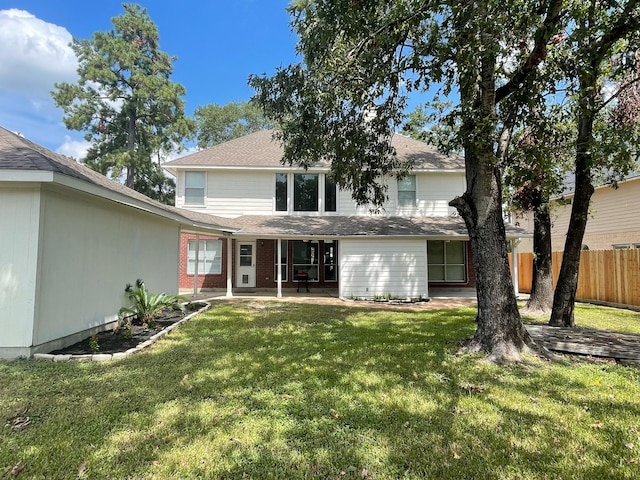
260 149
17 154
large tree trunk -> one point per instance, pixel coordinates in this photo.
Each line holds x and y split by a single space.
567 285
541 298
500 331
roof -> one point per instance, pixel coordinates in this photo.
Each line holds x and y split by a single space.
260 149
19 154
357 226
604 180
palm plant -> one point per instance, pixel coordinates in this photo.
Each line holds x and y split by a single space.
146 306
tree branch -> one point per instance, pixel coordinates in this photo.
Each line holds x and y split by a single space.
627 22
537 55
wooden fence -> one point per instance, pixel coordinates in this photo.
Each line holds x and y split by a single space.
611 276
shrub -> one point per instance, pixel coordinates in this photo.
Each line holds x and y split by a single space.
93 344
146 305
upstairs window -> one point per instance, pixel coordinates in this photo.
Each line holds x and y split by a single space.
281 192
407 191
305 193
330 196
194 183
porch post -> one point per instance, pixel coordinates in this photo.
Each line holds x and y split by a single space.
195 270
426 267
229 267
514 265
279 268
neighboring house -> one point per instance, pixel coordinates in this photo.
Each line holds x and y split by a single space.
613 223
296 222
71 240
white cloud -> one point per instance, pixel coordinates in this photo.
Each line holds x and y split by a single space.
34 54
74 148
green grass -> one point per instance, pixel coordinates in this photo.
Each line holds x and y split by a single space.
599 317
284 390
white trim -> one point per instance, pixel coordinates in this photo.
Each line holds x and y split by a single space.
286 168
279 265
36 176
229 267
204 190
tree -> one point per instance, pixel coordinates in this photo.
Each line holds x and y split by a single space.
538 160
216 124
126 103
603 36
363 59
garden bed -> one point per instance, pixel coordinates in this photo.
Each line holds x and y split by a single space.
109 342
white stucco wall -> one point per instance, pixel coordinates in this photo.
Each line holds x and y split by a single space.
89 249
19 218
371 267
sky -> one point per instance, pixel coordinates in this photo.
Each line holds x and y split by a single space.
218 44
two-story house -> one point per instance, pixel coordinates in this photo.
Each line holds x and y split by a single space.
295 222
613 221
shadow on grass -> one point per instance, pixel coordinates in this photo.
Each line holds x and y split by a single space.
279 390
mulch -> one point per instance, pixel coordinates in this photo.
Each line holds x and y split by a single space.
110 342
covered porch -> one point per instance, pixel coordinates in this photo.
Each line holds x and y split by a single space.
346 257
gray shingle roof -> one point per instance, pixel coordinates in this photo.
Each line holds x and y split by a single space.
18 153
259 149
350 226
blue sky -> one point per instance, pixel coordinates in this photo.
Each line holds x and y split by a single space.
218 44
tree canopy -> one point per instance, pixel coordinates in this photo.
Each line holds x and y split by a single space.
220 123
125 101
362 61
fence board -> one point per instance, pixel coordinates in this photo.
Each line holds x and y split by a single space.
605 275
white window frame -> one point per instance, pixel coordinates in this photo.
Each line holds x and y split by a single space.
325 264
322 179
446 264
414 203
187 174
287 193
208 247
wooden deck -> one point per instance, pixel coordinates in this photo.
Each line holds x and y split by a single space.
583 341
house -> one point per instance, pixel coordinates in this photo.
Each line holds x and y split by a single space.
296 229
71 240
613 221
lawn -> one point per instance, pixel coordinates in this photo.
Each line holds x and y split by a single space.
289 390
